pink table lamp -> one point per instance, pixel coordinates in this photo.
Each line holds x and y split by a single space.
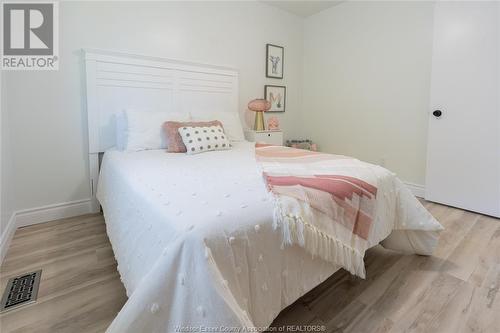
259 106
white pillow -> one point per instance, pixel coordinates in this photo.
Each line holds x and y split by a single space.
201 139
144 128
121 130
230 120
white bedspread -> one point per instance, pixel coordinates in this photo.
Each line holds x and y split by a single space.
195 245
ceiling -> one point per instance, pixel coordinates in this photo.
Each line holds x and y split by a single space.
303 8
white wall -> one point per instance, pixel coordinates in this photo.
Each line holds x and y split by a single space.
6 173
6 204
47 116
367 82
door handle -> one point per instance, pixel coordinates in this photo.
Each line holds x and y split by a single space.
437 113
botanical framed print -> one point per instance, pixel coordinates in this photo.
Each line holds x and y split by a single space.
274 61
276 95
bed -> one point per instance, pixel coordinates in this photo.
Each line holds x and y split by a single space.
193 235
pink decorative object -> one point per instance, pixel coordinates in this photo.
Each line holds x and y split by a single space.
273 124
259 105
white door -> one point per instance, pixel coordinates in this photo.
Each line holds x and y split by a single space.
463 160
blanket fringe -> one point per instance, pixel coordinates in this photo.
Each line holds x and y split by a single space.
297 231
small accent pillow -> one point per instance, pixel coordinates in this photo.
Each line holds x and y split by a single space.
201 139
171 128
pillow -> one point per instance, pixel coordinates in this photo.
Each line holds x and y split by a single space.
171 129
231 122
201 139
144 129
121 130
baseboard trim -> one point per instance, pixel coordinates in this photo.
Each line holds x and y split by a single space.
417 189
25 217
7 236
48 213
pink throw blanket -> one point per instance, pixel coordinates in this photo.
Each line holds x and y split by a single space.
319 204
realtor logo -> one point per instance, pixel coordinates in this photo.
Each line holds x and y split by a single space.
30 36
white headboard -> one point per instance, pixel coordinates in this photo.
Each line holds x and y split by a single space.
117 81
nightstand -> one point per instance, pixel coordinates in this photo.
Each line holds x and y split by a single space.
270 137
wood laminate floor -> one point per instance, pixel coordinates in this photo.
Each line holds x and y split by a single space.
456 290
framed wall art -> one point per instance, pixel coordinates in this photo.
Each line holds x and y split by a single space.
274 61
277 96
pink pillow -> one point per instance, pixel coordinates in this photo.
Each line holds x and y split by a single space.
174 139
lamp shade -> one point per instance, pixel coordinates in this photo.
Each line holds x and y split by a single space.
259 105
